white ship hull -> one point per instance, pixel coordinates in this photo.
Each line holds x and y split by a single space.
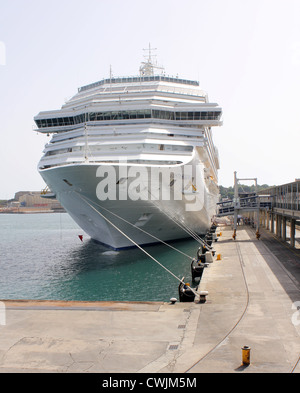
163 219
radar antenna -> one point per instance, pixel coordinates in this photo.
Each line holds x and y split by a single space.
147 67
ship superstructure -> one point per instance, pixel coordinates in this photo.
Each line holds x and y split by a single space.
119 132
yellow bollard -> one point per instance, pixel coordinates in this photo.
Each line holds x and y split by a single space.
219 257
246 355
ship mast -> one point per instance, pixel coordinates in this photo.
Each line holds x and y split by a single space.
147 68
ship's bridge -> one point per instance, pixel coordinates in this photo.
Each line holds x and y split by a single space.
138 79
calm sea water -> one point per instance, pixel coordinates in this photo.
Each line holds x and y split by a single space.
41 257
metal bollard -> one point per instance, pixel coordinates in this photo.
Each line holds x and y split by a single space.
246 355
203 295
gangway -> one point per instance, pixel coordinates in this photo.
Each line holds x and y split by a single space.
227 208
240 204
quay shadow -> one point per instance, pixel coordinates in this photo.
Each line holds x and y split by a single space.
288 257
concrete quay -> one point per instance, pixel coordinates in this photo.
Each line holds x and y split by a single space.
253 299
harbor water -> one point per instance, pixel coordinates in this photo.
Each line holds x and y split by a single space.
42 257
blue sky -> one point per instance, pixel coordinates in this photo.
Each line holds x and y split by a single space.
246 55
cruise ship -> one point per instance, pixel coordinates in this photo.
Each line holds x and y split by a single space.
132 159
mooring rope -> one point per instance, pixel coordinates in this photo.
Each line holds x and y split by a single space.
137 245
188 230
140 229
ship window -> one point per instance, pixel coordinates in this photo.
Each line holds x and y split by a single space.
107 116
99 116
140 114
167 115
125 115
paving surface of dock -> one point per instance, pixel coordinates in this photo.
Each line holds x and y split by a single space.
253 298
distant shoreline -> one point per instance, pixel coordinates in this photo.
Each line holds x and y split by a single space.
30 211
